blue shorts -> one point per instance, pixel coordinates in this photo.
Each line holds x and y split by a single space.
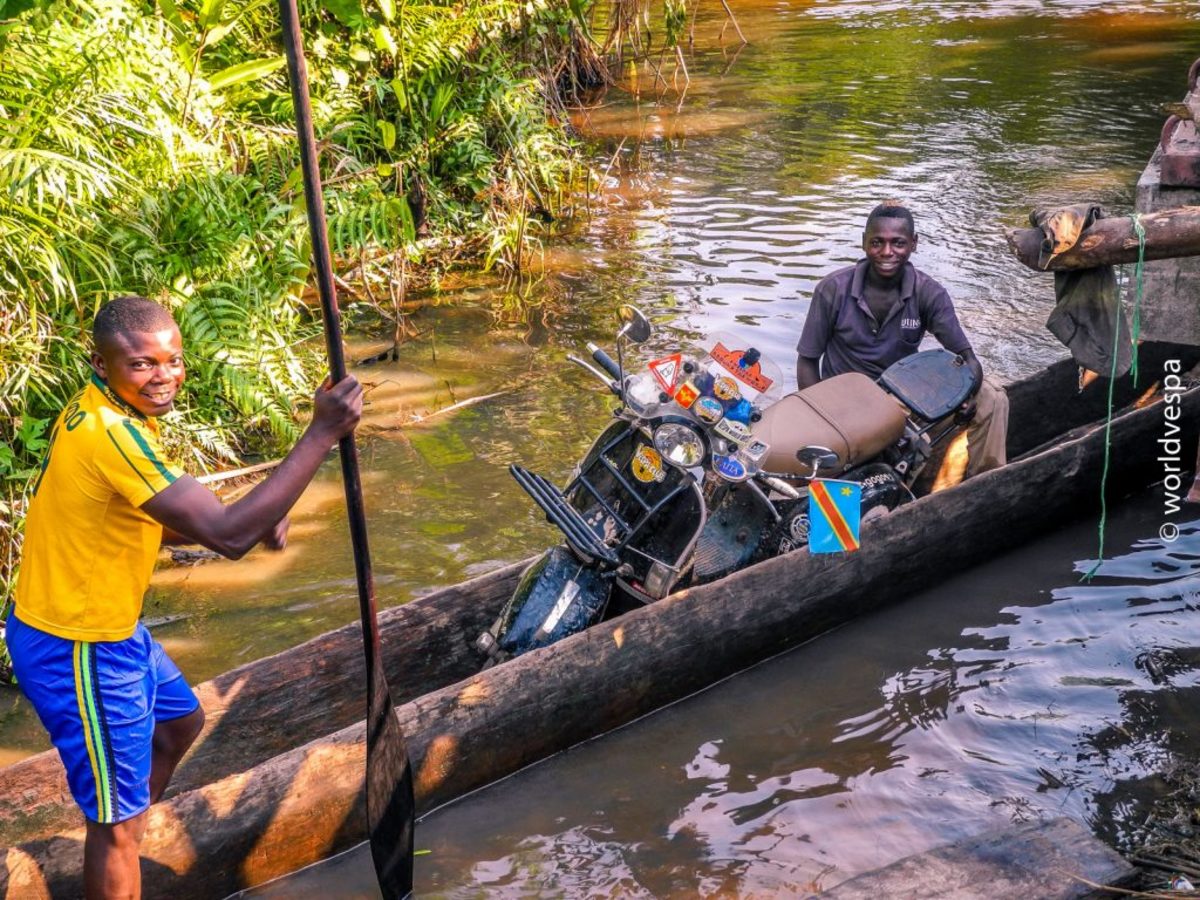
100 702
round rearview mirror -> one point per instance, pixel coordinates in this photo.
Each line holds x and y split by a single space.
817 457
635 325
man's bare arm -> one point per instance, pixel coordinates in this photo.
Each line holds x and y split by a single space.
976 370
276 540
190 510
808 372
174 538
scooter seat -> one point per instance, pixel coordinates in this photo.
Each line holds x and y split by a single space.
849 414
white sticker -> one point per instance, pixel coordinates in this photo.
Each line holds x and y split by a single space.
733 430
569 592
754 451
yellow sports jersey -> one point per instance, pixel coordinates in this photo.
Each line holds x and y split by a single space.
89 549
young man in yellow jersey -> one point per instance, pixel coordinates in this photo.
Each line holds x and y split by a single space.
117 708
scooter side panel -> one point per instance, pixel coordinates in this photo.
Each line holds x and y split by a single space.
732 535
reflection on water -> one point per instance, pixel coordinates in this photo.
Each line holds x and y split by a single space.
973 113
1006 694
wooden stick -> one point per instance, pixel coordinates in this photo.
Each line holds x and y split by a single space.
1174 895
1167 865
217 477
453 407
391 809
733 19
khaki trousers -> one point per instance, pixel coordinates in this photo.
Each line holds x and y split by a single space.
981 446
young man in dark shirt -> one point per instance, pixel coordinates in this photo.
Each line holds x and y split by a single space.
867 316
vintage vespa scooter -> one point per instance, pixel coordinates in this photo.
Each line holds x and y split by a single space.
701 472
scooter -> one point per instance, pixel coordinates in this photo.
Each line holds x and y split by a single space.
701 472
880 434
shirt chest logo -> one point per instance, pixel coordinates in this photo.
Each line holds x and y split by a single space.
910 324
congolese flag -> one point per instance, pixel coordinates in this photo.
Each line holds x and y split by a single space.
834 509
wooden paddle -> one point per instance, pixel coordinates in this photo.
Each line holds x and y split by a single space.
390 804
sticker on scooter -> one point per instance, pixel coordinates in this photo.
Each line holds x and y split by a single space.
666 371
708 409
749 373
725 388
569 592
755 450
729 468
834 511
647 465
686 395
733 431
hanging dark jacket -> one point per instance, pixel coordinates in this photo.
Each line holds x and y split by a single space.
1087 308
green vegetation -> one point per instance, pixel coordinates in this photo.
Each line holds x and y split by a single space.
148 148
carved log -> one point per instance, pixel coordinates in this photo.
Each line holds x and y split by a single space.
1169 234
274 704
306 804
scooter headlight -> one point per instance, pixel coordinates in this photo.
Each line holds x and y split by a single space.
680 445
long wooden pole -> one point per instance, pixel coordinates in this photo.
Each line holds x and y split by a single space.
390 805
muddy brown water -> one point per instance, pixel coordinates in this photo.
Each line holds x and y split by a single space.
720 212
1010 693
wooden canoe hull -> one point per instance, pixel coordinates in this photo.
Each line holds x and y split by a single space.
284 807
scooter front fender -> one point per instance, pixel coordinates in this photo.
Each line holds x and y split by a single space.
556 597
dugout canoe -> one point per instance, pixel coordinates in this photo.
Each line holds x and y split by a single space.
276 780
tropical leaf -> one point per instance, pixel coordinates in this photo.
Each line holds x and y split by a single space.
251 70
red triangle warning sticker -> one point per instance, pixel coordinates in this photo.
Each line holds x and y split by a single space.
666 371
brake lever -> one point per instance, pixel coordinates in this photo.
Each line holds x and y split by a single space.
758 492
608 382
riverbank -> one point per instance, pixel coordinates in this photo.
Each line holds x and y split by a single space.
1169 856
151 150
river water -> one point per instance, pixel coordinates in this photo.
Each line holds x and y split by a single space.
720 210
1009 693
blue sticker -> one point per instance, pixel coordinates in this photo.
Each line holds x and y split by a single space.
740 411
729 468
708 409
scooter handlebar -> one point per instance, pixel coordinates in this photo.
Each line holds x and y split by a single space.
605 361
611 384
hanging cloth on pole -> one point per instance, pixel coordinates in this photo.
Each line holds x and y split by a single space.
1087 315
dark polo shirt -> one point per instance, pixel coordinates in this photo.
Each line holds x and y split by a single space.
840 325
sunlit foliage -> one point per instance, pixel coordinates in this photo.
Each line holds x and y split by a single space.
148 148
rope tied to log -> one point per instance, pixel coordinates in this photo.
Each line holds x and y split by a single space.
1136 327
1135 333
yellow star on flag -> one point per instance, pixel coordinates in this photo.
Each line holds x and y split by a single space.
846 492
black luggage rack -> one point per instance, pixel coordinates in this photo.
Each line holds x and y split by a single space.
571 522
566 517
